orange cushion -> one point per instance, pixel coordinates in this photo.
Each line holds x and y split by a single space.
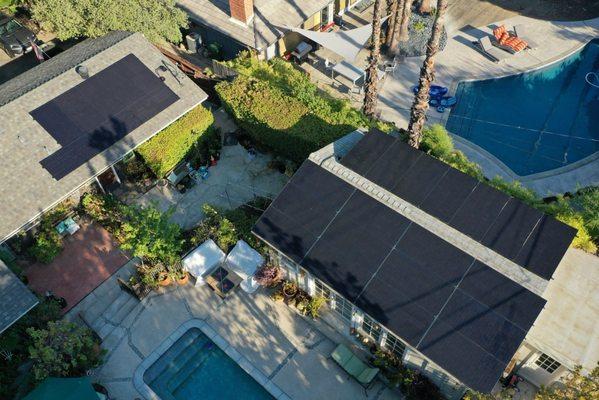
504 38
499 32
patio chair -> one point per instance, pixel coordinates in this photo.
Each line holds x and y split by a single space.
355 367
485 46
391 65
521 32
505 41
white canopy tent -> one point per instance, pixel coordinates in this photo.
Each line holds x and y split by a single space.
346 44
202 260
244 261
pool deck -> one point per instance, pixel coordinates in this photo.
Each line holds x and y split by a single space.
287 353
460 61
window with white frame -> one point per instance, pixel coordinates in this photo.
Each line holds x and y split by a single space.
547 363
337 303
321 290
371 328
394 345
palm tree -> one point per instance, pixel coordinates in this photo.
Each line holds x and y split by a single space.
370 95
394 10
427 75
401 24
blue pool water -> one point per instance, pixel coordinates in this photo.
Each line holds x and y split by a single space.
535 121
196 368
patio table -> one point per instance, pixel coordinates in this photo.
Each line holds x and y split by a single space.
348 70
223 281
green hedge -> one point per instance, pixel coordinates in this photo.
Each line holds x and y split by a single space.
167 148
284 112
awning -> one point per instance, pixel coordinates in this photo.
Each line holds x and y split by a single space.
64 389
347 44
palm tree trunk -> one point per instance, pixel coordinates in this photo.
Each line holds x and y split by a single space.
370 95
400 33
427 75
393 11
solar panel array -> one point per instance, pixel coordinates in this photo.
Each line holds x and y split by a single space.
463 315
508 226
103 109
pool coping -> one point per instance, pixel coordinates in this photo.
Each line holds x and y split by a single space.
245 364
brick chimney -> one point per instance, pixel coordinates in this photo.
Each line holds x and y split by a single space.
242 10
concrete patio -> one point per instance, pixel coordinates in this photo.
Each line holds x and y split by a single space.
290 350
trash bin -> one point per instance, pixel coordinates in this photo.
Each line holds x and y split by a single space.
192 40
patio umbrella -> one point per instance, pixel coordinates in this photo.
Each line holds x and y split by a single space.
346 44
64 389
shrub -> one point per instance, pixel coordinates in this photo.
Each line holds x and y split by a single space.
62 349
283 111
269 275
314 306
170 146
48 245
436 141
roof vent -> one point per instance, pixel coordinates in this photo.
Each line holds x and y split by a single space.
82 71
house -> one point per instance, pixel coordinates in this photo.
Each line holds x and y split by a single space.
66 122
260 24
445 271
16 299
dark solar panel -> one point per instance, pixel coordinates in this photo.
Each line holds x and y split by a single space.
396 310
355 244
511 228
393 165
545 247
502 295
461 357
364 154
444 260
468 317
449 194
479 211
101 110
422 179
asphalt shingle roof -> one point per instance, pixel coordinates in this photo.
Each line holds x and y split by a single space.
15 298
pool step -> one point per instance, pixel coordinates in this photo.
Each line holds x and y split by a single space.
168 360
179 362
187 369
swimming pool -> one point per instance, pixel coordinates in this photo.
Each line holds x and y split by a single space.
536 121
194 367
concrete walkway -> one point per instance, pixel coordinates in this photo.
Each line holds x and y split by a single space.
460 62
291 351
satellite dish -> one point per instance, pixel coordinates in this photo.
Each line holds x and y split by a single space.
82 71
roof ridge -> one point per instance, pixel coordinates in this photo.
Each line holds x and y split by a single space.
325 158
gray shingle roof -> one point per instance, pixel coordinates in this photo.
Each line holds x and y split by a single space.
15 298
26 188
55 66
267 25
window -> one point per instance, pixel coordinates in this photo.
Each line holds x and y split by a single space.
337 303
371 328
547 363
394 345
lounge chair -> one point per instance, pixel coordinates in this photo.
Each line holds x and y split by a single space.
508 42
355 367
485 46
521 32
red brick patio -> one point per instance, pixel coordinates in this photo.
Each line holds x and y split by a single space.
89 257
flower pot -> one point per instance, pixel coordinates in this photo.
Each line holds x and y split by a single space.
184 280
164 279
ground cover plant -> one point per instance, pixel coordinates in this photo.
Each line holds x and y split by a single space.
580 211
283 111
174 143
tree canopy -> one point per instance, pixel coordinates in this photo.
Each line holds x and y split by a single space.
574 386
158 20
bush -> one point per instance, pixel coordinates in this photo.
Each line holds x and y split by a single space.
62 349
283 111
48 245
170 146
269 275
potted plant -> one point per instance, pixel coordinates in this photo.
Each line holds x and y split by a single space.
301 301
269 275
277 296
164 279
289 290
314 306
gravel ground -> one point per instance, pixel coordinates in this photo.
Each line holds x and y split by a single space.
420 31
